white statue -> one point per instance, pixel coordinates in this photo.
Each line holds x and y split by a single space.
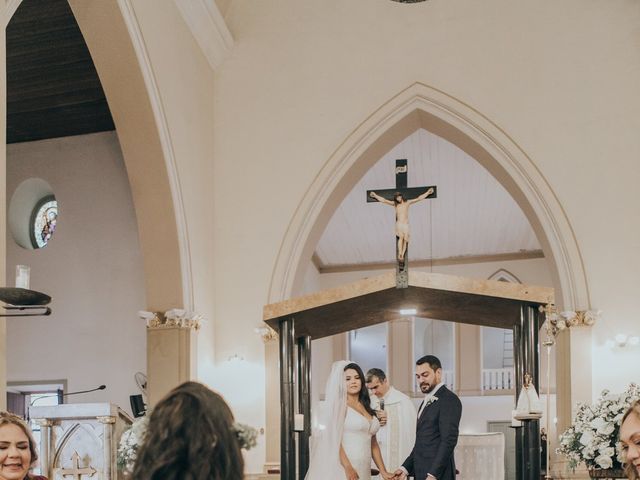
529 406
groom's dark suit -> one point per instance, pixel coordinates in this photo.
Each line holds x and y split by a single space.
436 437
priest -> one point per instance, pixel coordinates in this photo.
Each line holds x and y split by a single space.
397 415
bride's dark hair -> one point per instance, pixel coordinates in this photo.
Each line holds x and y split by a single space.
363 394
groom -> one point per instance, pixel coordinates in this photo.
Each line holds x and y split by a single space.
437 429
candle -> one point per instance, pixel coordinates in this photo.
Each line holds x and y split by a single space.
298 422
22 276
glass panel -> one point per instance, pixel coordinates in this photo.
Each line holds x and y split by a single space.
368 347
436 337
45 218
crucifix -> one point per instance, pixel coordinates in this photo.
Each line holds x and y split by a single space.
401 198
76 471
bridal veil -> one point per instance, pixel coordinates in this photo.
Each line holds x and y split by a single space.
326 439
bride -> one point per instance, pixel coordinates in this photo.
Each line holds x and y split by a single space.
345 441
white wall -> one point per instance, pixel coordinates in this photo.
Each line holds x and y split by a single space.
92 269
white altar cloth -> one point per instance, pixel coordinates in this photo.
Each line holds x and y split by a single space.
480 456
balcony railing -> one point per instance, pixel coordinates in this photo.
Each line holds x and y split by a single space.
497 379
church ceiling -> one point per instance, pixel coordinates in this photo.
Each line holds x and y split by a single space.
53 89
473 216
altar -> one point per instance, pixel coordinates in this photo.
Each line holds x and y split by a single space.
80 441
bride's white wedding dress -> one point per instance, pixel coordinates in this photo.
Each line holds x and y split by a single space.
338 425
356 441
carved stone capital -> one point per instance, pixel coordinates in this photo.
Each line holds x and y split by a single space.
44 422
175 319
106 419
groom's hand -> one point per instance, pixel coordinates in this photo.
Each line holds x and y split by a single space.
399 474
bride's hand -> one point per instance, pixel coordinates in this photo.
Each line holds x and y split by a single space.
351 473
387 475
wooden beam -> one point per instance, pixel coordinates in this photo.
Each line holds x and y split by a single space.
427 263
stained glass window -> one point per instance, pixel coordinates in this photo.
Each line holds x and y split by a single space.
43 221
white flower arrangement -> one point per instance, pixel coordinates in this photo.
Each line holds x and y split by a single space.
593 437
247 435
132 438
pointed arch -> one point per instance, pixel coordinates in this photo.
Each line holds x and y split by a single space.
422 106
117 48
503 275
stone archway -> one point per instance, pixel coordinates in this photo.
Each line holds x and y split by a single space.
113 38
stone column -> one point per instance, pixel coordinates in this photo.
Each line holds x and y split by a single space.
401 365
110 449
468 359
45 447
171 356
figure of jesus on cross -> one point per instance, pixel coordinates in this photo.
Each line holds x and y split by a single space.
397 198
402 216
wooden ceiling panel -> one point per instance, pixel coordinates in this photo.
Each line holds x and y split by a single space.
53 89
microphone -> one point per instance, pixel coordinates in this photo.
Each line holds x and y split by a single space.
101 387
382 404
61 395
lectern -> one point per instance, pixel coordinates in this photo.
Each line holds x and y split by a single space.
80 441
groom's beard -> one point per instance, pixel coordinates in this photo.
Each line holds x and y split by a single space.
426 387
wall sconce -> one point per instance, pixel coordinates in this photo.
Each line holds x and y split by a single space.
235 358
623 340
267 333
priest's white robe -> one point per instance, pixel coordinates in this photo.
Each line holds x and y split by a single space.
398 436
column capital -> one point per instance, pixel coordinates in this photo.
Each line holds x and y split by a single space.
106 419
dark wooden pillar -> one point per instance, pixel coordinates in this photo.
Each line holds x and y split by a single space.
527 360
518 353
304 403
287 435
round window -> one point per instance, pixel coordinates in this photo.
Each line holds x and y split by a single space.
43 221
33 214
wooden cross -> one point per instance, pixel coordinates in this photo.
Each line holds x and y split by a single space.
410 195
76 471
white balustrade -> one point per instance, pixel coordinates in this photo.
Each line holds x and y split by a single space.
497 379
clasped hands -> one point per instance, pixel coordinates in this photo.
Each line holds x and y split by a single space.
400 475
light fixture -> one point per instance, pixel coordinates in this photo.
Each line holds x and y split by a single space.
622 340
235 358
408 311
267 333
21 302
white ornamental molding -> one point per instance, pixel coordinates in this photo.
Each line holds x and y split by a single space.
208 28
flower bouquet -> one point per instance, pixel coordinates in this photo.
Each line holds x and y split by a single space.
593 437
